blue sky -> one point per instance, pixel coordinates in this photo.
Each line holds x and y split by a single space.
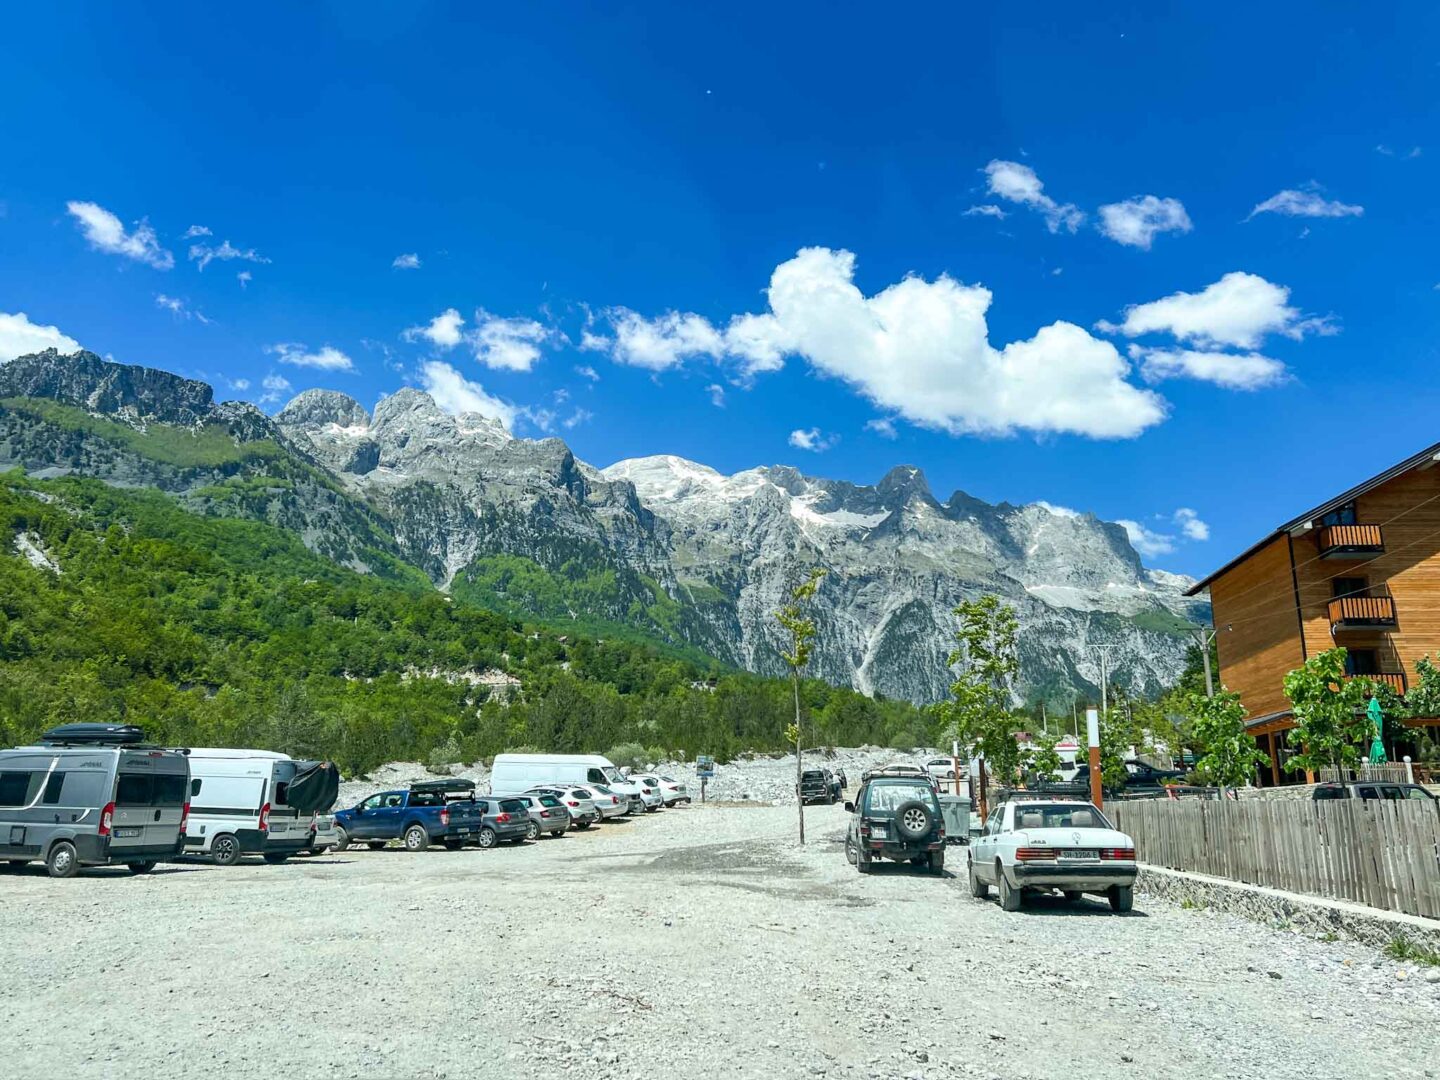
587 189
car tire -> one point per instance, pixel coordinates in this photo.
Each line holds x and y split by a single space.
416 838
275 858
914 820
452 844
849 851
651 809
224 850
937 862
486 837
1073 894
1010 897
62 861
533 832
343 839
863 862
375 845
1122 898
978 889
582 825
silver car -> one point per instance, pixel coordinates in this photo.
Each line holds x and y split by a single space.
610 803
547 815
577 800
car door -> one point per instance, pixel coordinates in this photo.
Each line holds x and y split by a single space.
365 818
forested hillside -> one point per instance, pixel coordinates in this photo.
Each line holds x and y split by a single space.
119 605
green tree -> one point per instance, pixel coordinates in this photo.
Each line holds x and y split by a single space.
801 629
1045 760
1330 723
1230 755
979 714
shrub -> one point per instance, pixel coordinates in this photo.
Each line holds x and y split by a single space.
631 756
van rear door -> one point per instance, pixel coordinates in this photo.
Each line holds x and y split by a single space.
151 789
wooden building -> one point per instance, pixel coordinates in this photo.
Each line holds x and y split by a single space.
1361 570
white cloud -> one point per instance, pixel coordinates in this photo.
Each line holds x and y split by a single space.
1308 203
882 426
578 417
717 395
986 210
240 384
179 309
443 330
1058 511
586 371
661 343
408 261
276 387
760 341
1136 222
328 358
1018 183
541 419
456 394
1240 310
1234 371
1191 525
1145 541
106 232
812 439
508 344
919 348
193 231
21 337
244 277
204 254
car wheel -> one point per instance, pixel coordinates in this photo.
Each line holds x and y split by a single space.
62 860
416 838
1073 894
913 820
533 832
937 862
978 888
343 839
275 858
375 845
862 863
651 809
1010 897
1122 898
582 825
849 851
225 850
486 837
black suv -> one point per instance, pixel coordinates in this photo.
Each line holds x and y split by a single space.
896 817
815 786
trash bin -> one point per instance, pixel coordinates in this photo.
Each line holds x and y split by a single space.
955 811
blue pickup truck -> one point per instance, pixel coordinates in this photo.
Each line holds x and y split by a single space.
428 812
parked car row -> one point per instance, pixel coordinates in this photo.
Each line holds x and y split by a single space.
99 795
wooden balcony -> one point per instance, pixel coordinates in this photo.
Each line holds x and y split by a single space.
1393 679
1349 541
1362 612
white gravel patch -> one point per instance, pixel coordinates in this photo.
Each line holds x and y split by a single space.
698 942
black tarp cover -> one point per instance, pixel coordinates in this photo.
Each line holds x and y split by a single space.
315 788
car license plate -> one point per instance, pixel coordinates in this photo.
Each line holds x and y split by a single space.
127 834
1079 853
465 830
880 832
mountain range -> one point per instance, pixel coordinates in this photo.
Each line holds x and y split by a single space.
657 547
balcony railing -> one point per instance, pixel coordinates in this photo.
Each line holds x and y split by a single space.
1362 611
1349 541
1393 679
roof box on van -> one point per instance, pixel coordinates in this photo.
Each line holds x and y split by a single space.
93 735
443 786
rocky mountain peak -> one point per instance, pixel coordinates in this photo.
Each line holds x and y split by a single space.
320 408
902 484
138 394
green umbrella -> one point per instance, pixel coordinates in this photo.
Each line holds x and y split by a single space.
1377 717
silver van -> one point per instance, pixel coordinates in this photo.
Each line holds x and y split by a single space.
92 795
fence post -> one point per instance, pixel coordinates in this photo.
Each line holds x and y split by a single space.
1409 770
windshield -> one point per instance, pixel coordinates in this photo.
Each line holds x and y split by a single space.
889 796
1059 816
612 774
602 789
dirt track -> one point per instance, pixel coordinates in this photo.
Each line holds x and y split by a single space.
694 943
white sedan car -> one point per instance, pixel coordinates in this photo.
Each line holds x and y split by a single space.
1067 846
673 791
609 803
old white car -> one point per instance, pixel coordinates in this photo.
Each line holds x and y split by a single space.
1066 846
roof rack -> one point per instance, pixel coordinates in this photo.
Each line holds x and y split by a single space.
94 735
442 785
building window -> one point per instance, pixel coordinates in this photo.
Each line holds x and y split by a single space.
1362 662
1348 586
1341 515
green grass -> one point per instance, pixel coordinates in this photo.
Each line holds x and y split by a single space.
1162 622
1402 948
206 447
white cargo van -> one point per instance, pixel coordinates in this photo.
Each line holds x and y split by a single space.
239 806
514 774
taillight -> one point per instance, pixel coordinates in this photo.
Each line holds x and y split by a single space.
107 816
444 815
184 816
570 802
265 818
1030 854
647 791
503 819
544 813
864 828
614 801
1125 853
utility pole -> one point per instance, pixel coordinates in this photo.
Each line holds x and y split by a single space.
1104 676
1203 637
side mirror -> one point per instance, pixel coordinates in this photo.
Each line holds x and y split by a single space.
849 807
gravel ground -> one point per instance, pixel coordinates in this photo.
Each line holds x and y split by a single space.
699 942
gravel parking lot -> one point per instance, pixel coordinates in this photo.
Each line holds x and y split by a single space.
694 943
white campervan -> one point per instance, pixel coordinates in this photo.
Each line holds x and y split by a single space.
513 774
238 806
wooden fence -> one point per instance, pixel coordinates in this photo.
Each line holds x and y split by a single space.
1393 772
1382 853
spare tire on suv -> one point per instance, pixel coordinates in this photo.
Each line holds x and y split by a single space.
914 820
